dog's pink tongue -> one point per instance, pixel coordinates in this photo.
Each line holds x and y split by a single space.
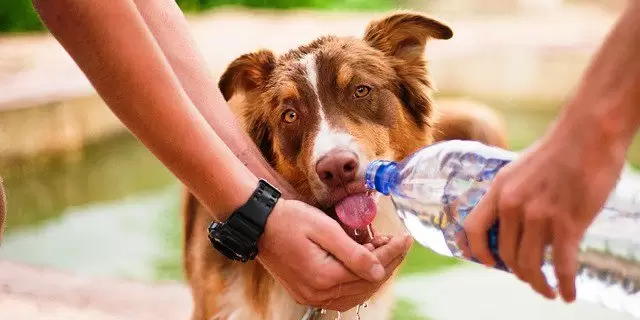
357 211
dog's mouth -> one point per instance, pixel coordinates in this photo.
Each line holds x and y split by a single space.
355 213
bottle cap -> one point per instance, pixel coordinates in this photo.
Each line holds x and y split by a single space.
380 176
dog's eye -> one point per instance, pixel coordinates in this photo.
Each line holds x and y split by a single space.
362 91
289 116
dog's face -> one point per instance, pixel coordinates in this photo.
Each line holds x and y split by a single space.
322 112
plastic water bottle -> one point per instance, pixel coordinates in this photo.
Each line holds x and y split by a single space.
435 189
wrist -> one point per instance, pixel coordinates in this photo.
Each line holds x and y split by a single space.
235 197
595 124
589 138
272 221
237 237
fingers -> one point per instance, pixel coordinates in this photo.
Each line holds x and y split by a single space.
509 238
565 260
349 295
396 247
345 303
478 222
531 255
360 287
354 256
380 241
355 290
377 242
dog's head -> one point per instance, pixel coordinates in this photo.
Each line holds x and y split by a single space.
321 112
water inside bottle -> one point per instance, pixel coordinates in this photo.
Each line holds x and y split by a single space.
433 208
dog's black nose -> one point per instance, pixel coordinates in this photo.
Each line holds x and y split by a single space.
338 167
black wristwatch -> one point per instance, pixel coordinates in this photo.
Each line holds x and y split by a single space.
237 238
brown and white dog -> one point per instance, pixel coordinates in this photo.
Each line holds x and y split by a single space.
319 114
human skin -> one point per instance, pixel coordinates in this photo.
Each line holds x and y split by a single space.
143 63
551 194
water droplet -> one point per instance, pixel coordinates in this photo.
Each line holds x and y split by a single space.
339 316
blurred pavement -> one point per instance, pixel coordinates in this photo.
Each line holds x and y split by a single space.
29 293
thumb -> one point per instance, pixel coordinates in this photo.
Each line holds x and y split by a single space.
357 258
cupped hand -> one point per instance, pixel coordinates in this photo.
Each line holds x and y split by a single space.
547 197
318 263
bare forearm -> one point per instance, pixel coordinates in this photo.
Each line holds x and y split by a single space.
608 97
171 30
112 45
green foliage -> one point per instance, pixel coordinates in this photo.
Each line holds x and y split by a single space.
18 15
405 310
422 260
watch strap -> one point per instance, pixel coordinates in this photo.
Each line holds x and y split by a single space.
257 209
237 238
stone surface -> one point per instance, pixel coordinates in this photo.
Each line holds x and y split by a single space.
37 294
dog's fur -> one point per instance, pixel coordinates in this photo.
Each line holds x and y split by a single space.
369 97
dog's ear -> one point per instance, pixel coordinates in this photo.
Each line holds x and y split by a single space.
403 37
248 74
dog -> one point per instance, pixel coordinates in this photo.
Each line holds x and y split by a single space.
319 113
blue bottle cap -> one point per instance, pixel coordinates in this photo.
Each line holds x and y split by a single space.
380 176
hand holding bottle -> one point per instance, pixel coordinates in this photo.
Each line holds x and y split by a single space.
549 196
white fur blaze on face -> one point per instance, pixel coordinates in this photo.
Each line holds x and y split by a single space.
311 68
328 138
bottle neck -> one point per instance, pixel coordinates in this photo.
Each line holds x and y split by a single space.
381 175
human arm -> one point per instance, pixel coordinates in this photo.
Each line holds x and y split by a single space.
110 43
130 72
552 193
170 29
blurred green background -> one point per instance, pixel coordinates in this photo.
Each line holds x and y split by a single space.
101 204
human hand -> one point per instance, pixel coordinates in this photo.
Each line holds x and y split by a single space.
549 196
319 265
357 290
